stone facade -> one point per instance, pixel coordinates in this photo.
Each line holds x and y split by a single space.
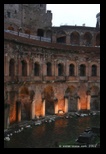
27 18
43 78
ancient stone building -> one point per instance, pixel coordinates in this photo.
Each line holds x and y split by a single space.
48 70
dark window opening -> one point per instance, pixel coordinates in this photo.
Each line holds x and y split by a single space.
40 32
87 39
61 39
41 5
75 38
82 70
24 68
15 11
36 69
60 69
94 70
8 14
71 70
49 69
12 68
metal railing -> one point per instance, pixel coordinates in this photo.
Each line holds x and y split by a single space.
45 39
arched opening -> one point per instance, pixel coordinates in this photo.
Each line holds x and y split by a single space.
75 38
11 67
94 70
61 37
87 39
24 102
60 69
71 70
82 70
49 100
24 68
36 69
40 32
98 40
49 69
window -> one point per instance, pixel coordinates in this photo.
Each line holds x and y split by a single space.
41 5
71 70
82 70
60 69
36 69
12 68
15 12
94 70
49 69
24 68
8 14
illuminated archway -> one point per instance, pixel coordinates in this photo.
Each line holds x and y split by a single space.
49 100
23 104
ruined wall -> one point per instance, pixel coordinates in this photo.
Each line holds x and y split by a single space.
63 85
27 17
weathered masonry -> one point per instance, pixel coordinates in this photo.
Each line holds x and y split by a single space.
43 78
48 70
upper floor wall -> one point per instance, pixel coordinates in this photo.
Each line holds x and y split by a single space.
28 17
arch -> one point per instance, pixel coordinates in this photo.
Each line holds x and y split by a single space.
49 69
70 90
94 90
98 39
11 67
49 99
60 69
71 70
75 38
61 37
94 70
82 70
24 99
36 69
24 68
87 38
40 32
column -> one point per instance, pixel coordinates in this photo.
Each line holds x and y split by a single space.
66 105
53 38
18 109
6 115
56 108
67 39
33 110
88 101
79 105
43 108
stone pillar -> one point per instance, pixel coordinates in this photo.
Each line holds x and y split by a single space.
18 109
19 67
79 105
54 38
33 110
66 105
6 115
56 108
43 108
88 101
7 66
68 39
